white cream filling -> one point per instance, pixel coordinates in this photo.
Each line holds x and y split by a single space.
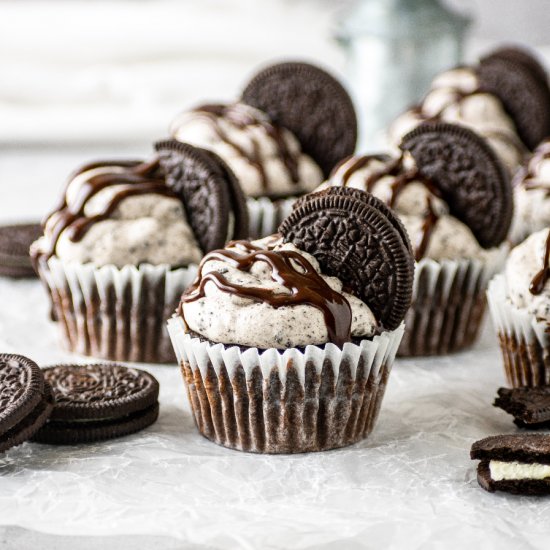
517 470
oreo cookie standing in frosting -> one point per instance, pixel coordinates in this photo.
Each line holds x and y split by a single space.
355 237
213 200
98 402
310 103
15 242
523 92
469 175
25 400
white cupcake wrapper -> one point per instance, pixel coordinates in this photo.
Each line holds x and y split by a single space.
524 342
448 304
269 401
115 313
265 215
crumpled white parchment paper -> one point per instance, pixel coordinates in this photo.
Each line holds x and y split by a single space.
410 485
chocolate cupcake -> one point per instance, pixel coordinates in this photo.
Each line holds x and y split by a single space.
519 301
286 343
293 124
453 196
125 241
503 98
532 195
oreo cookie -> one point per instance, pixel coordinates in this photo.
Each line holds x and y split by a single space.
355 237
515 463
212 197
471 178
98 402
25 400
530 407
15 241
524 95
310 103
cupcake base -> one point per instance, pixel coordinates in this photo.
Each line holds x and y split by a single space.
115 314
265 215
524 341
285 402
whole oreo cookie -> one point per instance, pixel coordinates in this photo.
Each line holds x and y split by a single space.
524 95
471 178
15 241
356 238
25 400
97 402
213 200
310 103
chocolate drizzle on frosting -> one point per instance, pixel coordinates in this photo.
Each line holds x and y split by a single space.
402 178
541 278
245 117
135 178
289 268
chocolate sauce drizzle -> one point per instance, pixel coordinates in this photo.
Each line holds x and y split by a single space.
402 178
306 286
137 178
243 117
541 278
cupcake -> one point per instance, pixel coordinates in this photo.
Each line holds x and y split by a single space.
519 300
504 98
125 241
531 195
292 125
453 196
286 343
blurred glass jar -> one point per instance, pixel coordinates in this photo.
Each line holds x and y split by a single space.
394 49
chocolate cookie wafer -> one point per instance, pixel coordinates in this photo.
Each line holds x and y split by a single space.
97 402
515 463
354 235
15 241
25 400
529 406
213 200
310 103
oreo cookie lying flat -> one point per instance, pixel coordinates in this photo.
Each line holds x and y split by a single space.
25 400
212 197
524 95
523 56
98 402
530 407
518 464
15 241
310 103
355 237
472 179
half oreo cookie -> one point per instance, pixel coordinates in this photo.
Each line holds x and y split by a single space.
355 237
310 103
15 241
98 402
25 400
515 463
212 197
472 179
530 407
524 95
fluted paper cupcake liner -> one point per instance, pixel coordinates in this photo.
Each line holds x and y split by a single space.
112 313
270 401
524 341
448 305
265 215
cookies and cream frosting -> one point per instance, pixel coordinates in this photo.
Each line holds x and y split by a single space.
455 97
267 294
267 159
119 213
532 194
434 233
528 274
